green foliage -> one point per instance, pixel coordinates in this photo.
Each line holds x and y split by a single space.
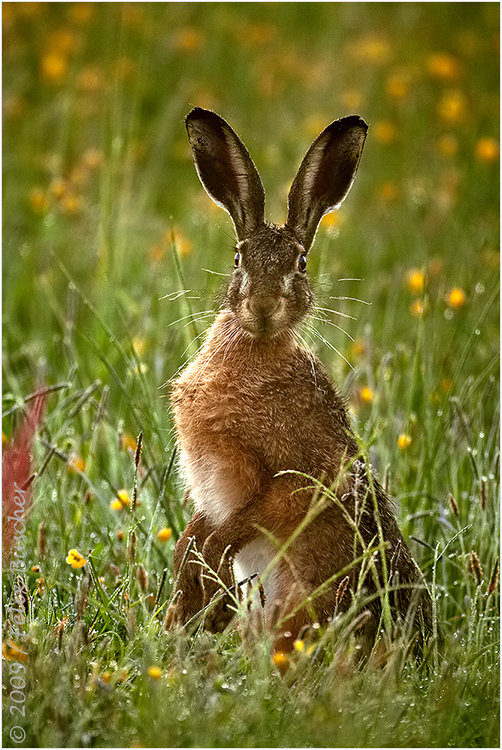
112 263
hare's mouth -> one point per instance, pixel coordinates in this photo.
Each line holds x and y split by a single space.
263 323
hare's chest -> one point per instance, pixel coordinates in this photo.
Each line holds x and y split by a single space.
215 487
217 467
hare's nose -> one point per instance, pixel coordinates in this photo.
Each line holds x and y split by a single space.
263 307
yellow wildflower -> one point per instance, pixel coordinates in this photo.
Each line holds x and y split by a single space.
415 280
182 244
398 85
64 40
404 441
71 203
139 345
189 39
128 440
372 49
76 464
417 308
91 79
366 394
54 67
11 652
443 66
38 201
154 672
453 106
92 158
487 149
387 192
164 535
58 187
447 145
75 559
123 500
299 645
358 348
385 132
456 298
81 13
281 661
331 220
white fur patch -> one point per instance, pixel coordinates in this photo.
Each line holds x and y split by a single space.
255 558
214 492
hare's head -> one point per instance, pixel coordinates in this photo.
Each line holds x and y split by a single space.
269 291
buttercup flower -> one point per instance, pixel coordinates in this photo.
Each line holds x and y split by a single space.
123 501
75 559
164 535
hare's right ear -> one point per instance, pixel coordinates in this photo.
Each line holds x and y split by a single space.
226 170
325 176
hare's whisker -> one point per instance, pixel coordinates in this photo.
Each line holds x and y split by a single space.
172 296
314 330
297 335
324 320
193 316
227 327
352 299
336 312
216 273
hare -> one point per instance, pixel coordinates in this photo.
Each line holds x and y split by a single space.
279 487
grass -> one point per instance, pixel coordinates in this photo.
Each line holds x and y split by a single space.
105 223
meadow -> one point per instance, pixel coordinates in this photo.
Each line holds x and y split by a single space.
113 260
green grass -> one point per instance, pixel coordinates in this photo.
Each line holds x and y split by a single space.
105 221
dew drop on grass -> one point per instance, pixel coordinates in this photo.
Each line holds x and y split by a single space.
477 332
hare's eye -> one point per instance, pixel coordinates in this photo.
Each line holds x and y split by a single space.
237 260
302 263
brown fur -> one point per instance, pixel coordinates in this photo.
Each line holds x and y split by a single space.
255 402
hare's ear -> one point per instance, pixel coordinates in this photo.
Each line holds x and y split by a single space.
325 176
226 170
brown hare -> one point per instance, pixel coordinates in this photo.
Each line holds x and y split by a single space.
262 429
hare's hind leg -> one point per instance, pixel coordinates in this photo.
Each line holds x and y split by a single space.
188 597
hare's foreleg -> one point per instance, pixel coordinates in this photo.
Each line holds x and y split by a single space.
272 510
188 595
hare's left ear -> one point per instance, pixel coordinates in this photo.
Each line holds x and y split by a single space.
325 176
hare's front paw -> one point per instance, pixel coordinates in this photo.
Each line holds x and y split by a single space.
187 601
182 610
220 613
222 606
